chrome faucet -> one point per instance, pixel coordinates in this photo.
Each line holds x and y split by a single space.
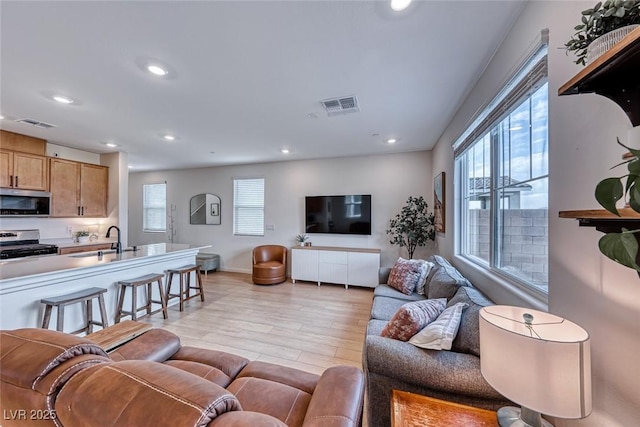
118 247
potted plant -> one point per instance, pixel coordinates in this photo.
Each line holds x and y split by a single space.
301 238
413 226
601 19
621 247
81 236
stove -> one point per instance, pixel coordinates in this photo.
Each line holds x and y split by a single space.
23 243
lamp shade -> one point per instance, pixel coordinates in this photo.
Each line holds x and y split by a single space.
537 360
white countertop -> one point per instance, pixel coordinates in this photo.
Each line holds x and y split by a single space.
47 264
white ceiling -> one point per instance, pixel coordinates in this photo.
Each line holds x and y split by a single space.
245 75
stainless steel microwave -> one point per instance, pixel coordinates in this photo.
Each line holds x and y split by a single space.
24 203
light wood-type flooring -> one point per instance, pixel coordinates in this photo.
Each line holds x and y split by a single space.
300 325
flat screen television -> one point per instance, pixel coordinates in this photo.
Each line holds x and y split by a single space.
349 214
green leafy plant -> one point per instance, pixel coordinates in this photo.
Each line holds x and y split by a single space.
621 247
81 233
301 238
599 20
413 226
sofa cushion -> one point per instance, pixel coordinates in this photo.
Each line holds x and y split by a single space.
444 371
412 317
468 338
281 401
384 308
388 291
375 326
444 280
439 334
404 275
425 269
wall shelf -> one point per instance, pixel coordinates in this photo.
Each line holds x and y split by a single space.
613 75
605 221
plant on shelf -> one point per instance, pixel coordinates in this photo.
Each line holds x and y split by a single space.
621 247
301 238
81 235
413 226
599 20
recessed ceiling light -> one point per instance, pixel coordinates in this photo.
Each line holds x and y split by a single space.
111 144
1 117
285 151
157 70
391 141
169 137
399 5
62 99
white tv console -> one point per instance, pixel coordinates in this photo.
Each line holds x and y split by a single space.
344 266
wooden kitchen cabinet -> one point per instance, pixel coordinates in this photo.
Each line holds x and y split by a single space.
84 248
23 171
78 189
23 164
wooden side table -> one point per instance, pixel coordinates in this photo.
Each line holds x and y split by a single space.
118 334
414 410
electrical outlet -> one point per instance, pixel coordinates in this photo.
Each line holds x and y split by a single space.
69 229
271 227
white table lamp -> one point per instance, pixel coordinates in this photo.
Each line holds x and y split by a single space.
538 360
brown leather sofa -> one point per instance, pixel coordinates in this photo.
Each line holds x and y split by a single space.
52 378
269 264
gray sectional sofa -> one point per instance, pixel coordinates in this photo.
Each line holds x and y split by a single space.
450 375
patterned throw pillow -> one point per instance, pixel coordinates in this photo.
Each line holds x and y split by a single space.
412 317
439 334
404 275
425 269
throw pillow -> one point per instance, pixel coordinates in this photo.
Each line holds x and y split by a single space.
444 280
425 268
404 275
439 334
468 338
412 317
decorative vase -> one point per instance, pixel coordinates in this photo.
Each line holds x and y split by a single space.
606 41
301 243
83 239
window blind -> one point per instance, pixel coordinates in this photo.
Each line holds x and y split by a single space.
154 207
248 206
529 78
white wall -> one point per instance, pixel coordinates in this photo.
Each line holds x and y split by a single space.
390 179
585 287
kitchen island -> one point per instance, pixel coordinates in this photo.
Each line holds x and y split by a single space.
24 282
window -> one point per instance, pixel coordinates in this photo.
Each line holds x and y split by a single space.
248 207
502 172
154 207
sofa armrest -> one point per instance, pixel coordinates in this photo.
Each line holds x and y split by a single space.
443 370
337 400
139 393
156 345
383 275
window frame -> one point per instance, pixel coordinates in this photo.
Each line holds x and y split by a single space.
530 78
145 209
235 209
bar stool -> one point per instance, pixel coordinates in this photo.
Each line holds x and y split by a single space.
85 295
133 284
185 284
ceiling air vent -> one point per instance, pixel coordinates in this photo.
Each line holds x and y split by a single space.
36 123
342 105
